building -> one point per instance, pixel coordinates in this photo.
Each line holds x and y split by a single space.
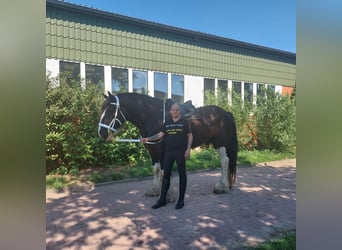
126 54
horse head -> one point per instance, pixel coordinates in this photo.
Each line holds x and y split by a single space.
112 116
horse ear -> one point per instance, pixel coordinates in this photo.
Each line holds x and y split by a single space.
104 96
109 94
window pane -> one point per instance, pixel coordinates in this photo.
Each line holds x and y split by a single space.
70 72
95 75
249 92
237 87
119 80
177 88
261 92
222 94
271 87
260 89
223 85
236 93
209 89
160 86
140 82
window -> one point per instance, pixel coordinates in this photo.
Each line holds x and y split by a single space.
70 72
236 93
209 89
271 87
177 88
222 94
249 92
140 82
95 75
237 87
261 92
119 80
160 86
223 86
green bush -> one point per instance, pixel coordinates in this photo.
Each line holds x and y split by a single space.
270 125
275 119
72 142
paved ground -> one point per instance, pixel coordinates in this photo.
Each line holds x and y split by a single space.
119 216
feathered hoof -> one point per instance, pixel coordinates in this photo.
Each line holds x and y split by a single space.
220 188
153 192
171 196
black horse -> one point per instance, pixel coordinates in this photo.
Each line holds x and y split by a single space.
209 125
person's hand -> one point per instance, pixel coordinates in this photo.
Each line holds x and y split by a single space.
143 140
187 154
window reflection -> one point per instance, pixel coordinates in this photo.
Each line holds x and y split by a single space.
271 87
261 92
140 82
95 75
209 89
160 86
177 88
222 94
119 80
223 86
249 92
70 72
237 87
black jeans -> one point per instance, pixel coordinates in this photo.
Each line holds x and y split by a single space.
170 157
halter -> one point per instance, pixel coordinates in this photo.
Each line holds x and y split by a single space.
111 125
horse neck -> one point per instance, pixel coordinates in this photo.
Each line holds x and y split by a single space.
144 113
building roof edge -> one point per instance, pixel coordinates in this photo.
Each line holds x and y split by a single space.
141 22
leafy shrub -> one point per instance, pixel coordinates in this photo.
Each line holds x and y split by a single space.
275 119
72 142
270 125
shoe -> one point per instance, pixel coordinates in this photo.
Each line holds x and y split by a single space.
159 204
179 205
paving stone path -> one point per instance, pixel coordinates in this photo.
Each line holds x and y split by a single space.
119 216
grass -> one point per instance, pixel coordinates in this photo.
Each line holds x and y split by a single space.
200 160
56 182
286 242
255 156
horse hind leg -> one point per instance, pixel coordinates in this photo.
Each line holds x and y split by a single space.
222 186
157 181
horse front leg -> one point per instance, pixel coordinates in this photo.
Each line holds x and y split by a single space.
172 194
157 181
222 186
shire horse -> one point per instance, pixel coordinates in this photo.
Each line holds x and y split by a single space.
209 125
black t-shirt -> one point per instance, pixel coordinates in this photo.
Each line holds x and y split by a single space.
176 134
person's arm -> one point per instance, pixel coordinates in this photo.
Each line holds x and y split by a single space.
152 138
188 149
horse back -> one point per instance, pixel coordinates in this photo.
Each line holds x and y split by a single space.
212 125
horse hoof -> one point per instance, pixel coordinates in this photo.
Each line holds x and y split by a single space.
152 193
218 191
220 188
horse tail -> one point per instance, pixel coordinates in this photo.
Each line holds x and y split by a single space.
232 151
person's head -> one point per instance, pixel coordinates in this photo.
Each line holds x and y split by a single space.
174 111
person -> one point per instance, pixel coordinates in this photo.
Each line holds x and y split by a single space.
177 138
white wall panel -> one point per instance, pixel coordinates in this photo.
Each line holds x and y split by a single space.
193 90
